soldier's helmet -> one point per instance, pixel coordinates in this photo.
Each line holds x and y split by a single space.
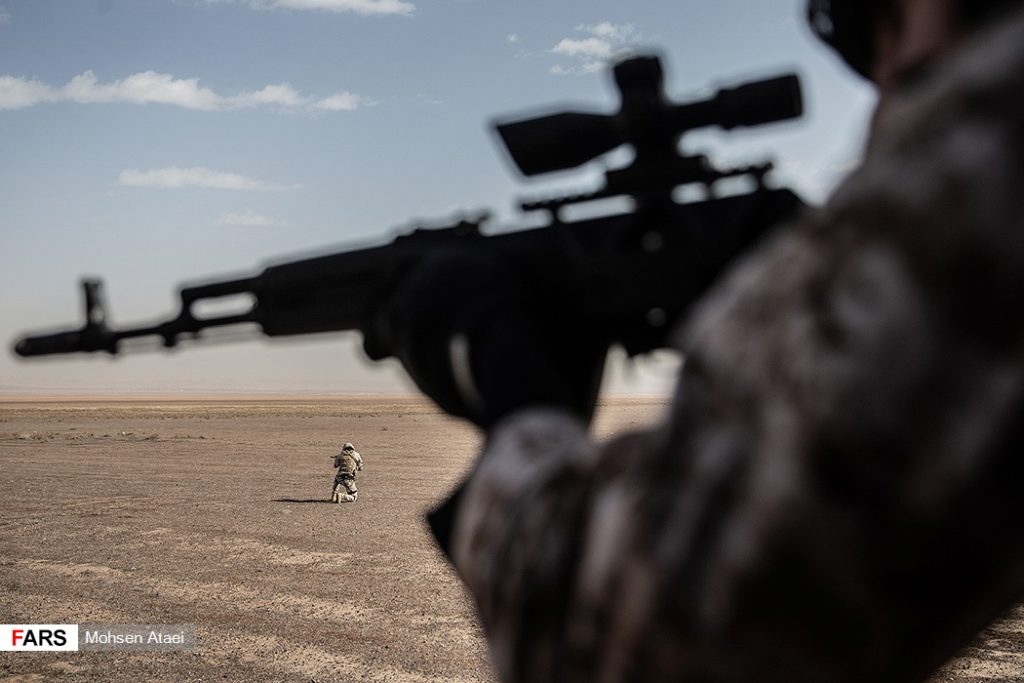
348 447
848 26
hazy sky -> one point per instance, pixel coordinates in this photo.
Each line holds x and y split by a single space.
155 142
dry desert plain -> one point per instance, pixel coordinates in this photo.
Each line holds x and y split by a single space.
213 511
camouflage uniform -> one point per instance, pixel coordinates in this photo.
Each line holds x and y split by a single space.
836 493
348 463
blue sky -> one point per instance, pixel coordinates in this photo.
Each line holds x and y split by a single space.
154 142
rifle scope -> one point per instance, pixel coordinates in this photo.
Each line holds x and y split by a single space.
646 119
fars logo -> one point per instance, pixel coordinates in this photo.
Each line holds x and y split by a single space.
38 637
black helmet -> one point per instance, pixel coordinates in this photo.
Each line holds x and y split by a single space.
848 26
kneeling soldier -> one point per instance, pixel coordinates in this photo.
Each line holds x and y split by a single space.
348 463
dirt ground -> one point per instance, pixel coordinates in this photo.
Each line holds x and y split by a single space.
215 513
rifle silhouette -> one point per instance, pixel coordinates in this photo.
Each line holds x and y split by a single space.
626 276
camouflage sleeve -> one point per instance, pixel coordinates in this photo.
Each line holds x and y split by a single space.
835 495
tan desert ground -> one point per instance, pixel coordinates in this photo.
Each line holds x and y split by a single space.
215 513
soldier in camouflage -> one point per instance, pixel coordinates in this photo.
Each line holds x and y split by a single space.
347 462
835 495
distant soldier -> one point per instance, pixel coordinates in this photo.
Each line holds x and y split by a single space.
348 462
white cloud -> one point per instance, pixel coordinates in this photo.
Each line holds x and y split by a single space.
361 7
147 87
617 33
246 219
512 38
174 177
342 101
16 93
282 95
364 7
5 17
587 47
602 43
150 87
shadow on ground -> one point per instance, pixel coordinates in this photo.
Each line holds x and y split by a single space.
304 500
